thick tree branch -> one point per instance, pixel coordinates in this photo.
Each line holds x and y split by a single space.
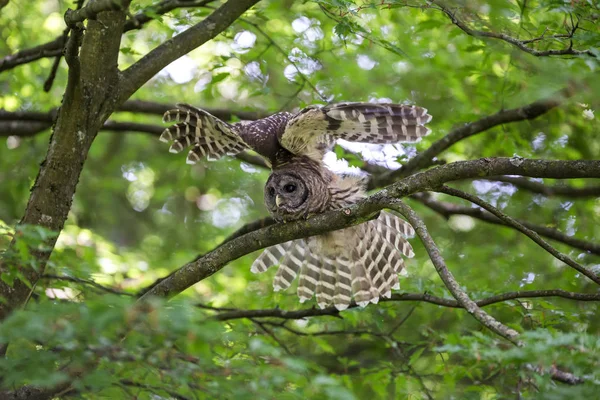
528 232
425 159
72 17
139 73
213 261
447 209
549 190
86 104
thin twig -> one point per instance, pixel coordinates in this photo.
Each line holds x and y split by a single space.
514 41
226 314
425 159
285 54
440 265
272 335
528 232
85 282
447 209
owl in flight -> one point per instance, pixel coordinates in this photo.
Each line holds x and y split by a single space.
361 261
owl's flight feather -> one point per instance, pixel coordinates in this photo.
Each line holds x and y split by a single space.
209 136
314 129
311 132
361 262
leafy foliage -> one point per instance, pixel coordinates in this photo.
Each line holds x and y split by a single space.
140 213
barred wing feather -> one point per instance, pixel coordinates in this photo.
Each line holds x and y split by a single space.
314 129
206 134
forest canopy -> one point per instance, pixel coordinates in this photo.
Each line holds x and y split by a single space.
125 273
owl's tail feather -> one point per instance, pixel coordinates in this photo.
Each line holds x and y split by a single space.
371 273
343 283
361 285
269 257
309 277
327 282
290 265
209 136
385 262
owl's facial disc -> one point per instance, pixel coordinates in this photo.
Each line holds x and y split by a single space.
285 196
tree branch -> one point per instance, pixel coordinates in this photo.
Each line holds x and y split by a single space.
80 117
213 261
139 73
440 266
54 47
425 159
521 44
549 190
287 57
230 314
72 17
29 392
161 8
150 107
30 123
528 232
447 209
50 49
88 282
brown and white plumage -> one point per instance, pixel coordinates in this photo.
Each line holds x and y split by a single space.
370 270
361 262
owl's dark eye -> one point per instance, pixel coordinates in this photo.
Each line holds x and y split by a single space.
271 191
289 188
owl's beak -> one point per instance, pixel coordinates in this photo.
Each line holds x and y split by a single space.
278 200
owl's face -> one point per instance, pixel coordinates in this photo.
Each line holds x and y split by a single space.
287 196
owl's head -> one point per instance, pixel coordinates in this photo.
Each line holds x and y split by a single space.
286 195
294 193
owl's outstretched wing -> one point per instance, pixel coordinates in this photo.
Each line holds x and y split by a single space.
314 129
206 134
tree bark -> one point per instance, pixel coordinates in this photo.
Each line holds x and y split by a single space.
88 101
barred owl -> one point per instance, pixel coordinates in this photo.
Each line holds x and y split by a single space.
361 261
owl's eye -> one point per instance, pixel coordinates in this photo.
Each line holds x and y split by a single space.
271 191
289 188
